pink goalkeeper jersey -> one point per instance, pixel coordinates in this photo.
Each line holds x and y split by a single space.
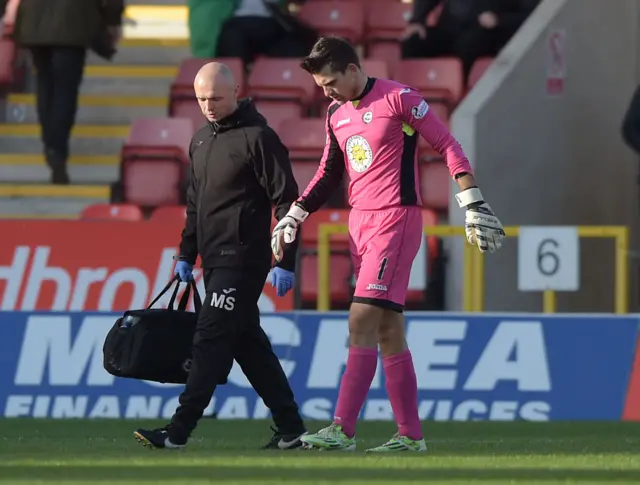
376 138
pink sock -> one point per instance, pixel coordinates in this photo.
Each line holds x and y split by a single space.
402 388
356 381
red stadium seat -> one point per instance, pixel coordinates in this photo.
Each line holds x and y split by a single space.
477 70
169 213
435 182
182 87
339 242
112 212
277 111
437 78
387 20
430 218
304 173
340 276
304 137
386 51
189 109
154 161
331 17
375 68
282 80
426 151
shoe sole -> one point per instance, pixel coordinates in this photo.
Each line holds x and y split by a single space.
312 446
143 441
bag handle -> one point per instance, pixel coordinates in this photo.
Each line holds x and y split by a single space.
164 290
184 301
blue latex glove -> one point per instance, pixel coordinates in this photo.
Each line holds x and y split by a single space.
283 280
185 270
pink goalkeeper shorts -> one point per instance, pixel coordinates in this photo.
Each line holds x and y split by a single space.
383 247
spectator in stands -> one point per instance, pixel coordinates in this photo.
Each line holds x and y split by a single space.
245 29
467 29
58 33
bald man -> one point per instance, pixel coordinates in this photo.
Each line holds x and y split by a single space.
239 169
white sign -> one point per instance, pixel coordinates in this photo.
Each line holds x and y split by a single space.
548 259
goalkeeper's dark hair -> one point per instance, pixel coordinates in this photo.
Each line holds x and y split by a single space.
332 51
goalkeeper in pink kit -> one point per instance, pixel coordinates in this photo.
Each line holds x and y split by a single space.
372 131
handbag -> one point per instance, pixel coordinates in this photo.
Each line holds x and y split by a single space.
154 344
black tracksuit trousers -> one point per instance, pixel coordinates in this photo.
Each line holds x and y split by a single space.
229 328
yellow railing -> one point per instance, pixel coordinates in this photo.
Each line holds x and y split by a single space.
473 264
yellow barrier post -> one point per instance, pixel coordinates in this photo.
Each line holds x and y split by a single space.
620 234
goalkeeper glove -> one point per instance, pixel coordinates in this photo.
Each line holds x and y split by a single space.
286 230
482 227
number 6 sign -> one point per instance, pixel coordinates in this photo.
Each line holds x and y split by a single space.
548 259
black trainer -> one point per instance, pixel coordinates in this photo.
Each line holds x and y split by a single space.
159 438
284 441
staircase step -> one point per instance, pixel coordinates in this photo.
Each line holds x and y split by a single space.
92 109
55 191
24 168
86 139
124 80
50 199
156 21
146 52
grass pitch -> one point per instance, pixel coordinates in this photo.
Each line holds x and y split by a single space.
88 452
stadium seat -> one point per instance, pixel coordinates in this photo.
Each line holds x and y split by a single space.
386 20
280 80
277 111
387 51
375 68
340 276
169 213
191 110
435 182
181 89
304 173
339 242
477 70
304 137
155 158
430 218
334 17
439 79
426 151
112 212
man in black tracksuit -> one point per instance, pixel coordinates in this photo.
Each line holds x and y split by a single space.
239 169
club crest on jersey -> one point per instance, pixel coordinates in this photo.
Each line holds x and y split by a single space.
421 110
367 117
359 153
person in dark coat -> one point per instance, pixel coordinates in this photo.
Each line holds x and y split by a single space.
58 33
468 29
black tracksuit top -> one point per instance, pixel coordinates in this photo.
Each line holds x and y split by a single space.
239 170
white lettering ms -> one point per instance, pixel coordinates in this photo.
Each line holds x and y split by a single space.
224 301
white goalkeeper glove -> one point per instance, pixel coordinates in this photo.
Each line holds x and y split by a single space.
481 225
286 230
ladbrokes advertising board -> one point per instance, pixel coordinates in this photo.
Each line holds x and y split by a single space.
92 266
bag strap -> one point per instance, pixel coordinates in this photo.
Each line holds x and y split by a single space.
164 290
184 301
